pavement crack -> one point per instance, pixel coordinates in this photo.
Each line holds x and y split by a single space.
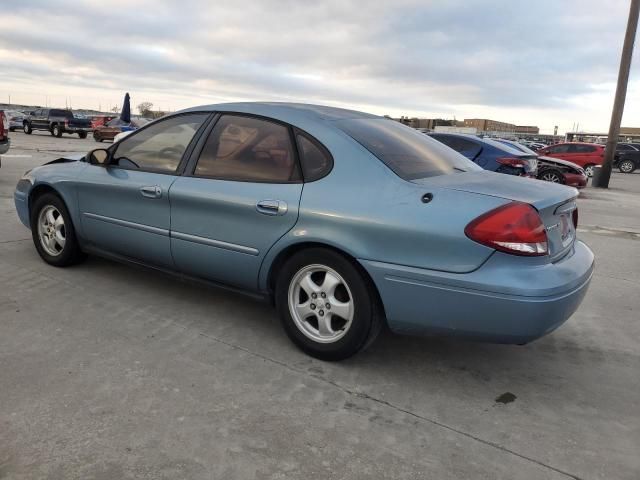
15 241
386 403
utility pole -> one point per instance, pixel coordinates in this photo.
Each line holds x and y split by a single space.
602 179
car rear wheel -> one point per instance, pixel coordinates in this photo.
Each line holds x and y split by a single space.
53 233
327 307
27 129
82 134
588 169
553 176
626 166
56 131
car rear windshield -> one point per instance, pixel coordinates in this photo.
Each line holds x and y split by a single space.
61 113
409 153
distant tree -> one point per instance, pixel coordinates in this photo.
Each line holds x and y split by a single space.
145 109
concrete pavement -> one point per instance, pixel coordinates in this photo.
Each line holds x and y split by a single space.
111 372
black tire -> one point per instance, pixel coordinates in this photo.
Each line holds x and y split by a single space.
551 175
70 254
12 129
82 135
626 166
97 138
27 128
367 317
56 131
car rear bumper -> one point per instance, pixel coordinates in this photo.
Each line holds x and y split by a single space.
575 180
507 300
69 129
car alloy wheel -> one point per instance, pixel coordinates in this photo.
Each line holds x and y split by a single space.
551 177
320 303
589 170
626 166
51 230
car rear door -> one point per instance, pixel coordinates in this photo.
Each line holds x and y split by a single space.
125 206
39 119
239 195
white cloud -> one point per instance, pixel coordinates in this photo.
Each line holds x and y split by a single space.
547 63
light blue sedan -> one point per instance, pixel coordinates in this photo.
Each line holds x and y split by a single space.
345 220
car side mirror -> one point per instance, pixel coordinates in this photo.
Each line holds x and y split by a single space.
99 157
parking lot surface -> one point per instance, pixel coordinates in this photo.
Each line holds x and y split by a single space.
111 372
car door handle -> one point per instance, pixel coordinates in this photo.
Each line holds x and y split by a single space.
272 207
153 191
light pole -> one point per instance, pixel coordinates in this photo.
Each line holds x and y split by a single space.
601 180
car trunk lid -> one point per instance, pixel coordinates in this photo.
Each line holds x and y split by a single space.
555 203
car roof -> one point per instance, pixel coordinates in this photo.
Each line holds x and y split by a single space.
283 110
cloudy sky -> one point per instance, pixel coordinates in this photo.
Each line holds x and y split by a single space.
545 63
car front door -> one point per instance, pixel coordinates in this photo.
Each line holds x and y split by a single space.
240 194
125 205
39 119
559 151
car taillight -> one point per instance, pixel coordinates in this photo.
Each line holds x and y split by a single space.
512 162
513 228
574 217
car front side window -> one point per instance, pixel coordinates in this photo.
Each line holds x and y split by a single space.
159 147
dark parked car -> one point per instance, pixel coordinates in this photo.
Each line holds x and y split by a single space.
491 154
56 122
627 147
627 161
554 170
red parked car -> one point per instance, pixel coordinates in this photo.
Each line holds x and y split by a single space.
4 133
587 155
101 120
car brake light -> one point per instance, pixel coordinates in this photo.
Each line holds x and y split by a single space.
574 217
514 228
512 162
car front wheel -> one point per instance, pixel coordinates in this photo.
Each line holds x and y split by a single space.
552 176
326 305
626 166
588 169
27 129
53 233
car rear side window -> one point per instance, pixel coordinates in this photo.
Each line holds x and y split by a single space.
409 153
249 149
160 146
316 160
583 149
559 149
60 113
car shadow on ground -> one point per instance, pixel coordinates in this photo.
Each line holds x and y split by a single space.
253 326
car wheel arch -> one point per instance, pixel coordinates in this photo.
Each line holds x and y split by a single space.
290 250
41 189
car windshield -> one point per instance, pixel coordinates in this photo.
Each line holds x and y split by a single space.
408 152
